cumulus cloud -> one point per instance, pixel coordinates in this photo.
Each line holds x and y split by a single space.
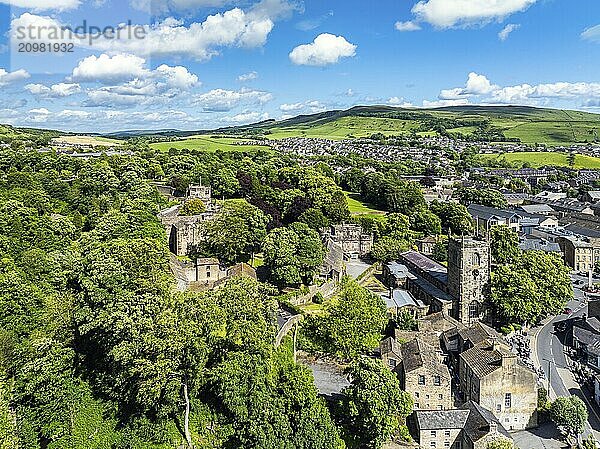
222 100
170 37
505 32
463 13
592 34
479 89
43 5
55 91
105 68
246 117
250 76
400 102
326 49
407 26
476 85
311 106
11 77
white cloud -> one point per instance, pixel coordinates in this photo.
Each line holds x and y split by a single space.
199 40
407 26
250 76
445 103
11 77
43 5
246 117
324 50
105 68
400 102
476 85
221 100
505 32
38 115
592 34
54 91
312 106
460 13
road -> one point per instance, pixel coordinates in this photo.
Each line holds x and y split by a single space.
552 358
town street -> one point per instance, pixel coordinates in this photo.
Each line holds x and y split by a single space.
551 357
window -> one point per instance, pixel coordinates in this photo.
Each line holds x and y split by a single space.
433 434
440 396
437 381
498 407
447 433
421 379
446 443
416 394
473 310
417 405
507 400
426 396
432 444
392 363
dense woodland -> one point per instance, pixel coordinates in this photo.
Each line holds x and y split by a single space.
97 349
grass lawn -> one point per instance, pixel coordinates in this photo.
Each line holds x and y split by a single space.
357 207
539 159
207 143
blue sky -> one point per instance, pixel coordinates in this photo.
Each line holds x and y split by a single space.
209 63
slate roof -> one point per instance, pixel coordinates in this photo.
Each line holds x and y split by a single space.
486 213
486 357
537 208
588 334
401 298
398 270
389 346
441 419
479 420
430 266
477 333
418 354
438 322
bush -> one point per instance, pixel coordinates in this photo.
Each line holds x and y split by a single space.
318 298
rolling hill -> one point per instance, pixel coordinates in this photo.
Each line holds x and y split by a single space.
496 123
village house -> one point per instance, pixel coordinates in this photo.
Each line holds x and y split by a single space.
469 427
354 241
398 301
493 376
424 376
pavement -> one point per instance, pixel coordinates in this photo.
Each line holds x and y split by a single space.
548 352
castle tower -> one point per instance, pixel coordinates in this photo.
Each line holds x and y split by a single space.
469 263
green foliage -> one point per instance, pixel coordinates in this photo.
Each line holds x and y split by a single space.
485 197
236 232
570 414
455 217
293 254
355 321
373 407
406 321
193 206
504 244
500 443
589 443
534 286
425 223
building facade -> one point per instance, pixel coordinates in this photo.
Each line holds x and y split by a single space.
469 266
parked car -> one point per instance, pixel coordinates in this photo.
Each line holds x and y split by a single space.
568 311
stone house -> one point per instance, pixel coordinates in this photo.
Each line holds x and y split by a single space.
426 245
468 427
579 254
398 301
354 241
492 376
395 275
422 374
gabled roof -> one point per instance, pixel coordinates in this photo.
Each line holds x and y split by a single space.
486 357
418 354
441 419
487 213
537 208
480 422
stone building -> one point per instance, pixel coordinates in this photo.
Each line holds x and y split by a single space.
203 193
493 377
580 254
469 427
424 376
354 241
469 266
206 273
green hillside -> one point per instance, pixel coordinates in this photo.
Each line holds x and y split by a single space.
495 123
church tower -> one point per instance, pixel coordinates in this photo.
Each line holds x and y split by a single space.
469 263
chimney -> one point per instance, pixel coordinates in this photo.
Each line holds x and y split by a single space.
493 427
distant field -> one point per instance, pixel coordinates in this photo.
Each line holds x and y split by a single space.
206 143
539 159
87 140
346 127
357 207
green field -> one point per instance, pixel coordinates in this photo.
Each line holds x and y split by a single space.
529 125
357 207
207 143
540 159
